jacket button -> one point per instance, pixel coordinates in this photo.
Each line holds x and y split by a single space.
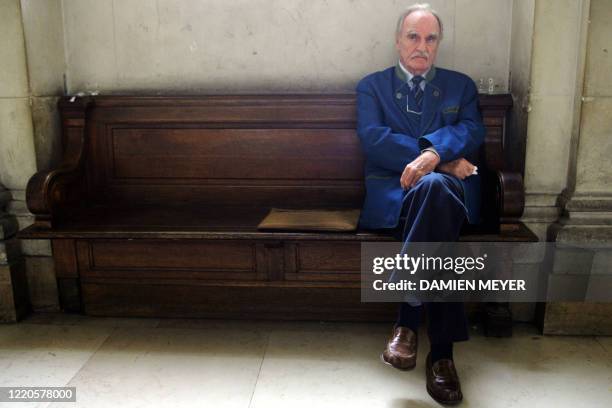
398 95
436 93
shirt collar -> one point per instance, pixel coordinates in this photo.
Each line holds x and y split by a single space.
406 76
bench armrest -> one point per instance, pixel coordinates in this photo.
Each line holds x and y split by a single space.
510 196
47 191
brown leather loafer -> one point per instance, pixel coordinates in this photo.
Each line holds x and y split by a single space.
401 350
442 381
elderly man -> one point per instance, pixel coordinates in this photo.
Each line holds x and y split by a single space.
417 124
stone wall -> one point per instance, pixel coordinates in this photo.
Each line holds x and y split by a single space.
587 218
14 302
238 46
31 80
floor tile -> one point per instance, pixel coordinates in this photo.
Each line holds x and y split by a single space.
45 355
606 343
139 367
533 370
328 368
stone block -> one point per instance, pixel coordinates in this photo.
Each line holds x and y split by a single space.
521 47
10 251
469 41
556 47
602 262
5 197
573 261
593 172
532 253
44 37
17 158
599 55
540 229
14 300
551 122
18 207
18 194
8 314
90 44
5 274
583 318
25 221
8 226
573 318
36 247
13 69
591 236
47 132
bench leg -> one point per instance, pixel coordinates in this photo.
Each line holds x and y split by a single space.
497 319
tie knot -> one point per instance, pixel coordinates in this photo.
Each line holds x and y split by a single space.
416 80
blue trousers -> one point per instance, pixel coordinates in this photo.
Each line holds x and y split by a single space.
433 211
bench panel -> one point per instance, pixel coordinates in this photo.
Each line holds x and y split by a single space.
329 154
176 259
323 261
198 301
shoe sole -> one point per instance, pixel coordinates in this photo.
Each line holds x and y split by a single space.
396 367
441 401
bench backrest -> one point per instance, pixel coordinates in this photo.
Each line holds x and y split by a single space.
225 150
257 150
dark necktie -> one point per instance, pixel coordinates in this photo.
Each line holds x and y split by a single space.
417 92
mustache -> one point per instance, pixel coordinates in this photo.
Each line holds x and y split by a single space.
420 54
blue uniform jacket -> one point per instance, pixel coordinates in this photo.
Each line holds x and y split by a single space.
451 123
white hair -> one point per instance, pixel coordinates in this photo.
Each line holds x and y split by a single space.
418 7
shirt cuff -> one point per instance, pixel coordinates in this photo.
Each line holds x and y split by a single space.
430 149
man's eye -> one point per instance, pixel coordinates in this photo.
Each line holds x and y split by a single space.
413 37
431 39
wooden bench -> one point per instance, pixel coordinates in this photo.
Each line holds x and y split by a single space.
153 210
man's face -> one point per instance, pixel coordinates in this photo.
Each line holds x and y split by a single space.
418 41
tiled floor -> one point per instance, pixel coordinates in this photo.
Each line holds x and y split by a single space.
208 363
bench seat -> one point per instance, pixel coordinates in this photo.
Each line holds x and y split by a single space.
220 223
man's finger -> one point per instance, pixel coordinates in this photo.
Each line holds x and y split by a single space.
407 180
416 178
403 180
407 176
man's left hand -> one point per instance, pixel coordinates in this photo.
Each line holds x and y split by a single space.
422 165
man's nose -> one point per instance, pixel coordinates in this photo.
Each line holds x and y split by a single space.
422 45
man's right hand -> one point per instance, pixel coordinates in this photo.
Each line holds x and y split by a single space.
459 168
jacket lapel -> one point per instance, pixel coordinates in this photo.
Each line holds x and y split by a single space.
400 90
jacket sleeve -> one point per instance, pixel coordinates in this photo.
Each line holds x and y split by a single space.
382 147
458 140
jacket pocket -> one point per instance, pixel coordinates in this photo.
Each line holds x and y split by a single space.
450 109
450 114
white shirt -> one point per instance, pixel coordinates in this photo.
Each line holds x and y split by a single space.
410 76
